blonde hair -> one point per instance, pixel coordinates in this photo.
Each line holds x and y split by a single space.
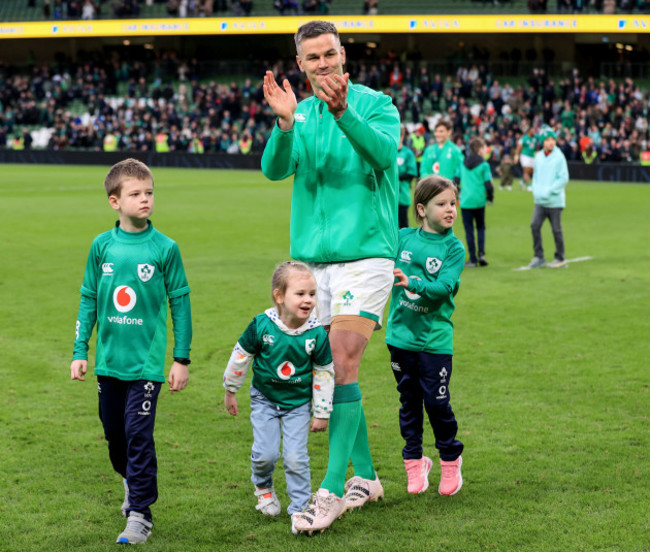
428 188
129 168
280 278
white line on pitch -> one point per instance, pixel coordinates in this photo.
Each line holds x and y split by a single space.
576 260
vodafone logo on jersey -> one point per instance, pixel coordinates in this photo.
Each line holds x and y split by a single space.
124 298
286 370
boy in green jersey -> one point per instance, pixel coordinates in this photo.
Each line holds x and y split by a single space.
444 157
475 191
132 271
419 333
293 377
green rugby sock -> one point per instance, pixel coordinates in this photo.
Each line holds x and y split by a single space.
361 458
344 422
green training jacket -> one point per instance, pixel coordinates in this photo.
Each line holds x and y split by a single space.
344 200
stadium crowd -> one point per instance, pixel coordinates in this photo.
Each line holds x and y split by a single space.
135 106
93 9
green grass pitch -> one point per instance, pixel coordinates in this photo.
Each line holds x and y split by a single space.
550 382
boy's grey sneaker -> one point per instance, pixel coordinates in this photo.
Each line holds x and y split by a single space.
125 504
267 501
470 264
557 263
482 260
137 529
537 263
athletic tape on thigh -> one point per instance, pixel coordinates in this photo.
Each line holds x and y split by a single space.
353 323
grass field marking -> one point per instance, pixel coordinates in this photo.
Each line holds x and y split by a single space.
576 260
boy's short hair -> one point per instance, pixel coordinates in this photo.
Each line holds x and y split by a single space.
428 188
445 123
129 168
475 144
314 29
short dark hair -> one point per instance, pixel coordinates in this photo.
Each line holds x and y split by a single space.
475 144
428 188
445 123
313 29
129 168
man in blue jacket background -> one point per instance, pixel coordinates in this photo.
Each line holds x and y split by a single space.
550 177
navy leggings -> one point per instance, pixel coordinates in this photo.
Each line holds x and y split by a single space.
423 381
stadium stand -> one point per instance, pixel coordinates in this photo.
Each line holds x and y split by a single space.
21 10
163 102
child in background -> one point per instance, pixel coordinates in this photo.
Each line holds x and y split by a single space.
475 190
293 376
444 157
407 170
419 333
131 272
505 171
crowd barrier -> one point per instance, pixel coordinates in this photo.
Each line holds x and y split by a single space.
603 172
152 159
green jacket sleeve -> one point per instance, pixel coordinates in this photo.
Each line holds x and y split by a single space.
182 324
279 159
374 138
178 292
87 307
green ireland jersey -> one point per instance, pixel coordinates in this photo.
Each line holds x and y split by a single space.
344 199
128 278
285 361
407 169
445 160
420 315
528 145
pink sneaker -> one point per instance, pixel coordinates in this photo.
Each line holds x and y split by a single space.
417 472
451 480
320 514
358 491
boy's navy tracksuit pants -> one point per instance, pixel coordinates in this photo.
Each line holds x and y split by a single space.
127 410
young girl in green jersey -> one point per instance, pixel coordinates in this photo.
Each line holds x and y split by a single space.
293 377
419 333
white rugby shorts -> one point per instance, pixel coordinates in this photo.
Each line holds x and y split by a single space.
358 288
527 161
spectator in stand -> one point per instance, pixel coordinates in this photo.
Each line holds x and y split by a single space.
286 6
370 7
88 10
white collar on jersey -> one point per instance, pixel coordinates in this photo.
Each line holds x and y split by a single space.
311 323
